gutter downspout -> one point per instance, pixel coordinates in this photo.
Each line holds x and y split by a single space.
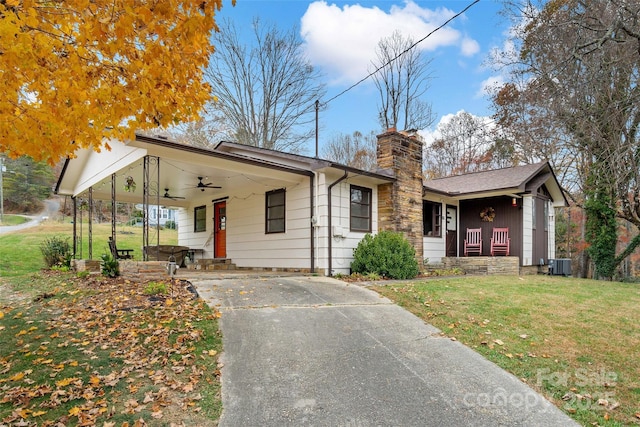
313 226
330 257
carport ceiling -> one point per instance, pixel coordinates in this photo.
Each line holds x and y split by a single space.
179 173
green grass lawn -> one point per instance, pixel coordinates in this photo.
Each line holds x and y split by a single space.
13 220
20 251
576 341
80 349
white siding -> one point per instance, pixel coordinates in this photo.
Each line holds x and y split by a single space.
552 231
527 230
186 236
247 243
346 241
434 248
249 246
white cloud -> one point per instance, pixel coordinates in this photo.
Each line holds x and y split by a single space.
469 47
343 40
488 86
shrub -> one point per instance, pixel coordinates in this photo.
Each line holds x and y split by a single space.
155 288
83 274
56 252
387 254
170 225
109 265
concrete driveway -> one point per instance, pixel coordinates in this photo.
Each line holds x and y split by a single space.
317 351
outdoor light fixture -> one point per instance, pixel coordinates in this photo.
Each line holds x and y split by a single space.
514 202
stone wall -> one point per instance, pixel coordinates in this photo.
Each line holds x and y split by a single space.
505 266
90 265
400 202
143 270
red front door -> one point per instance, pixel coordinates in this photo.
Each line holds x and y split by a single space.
220 230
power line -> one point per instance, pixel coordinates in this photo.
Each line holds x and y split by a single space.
401 53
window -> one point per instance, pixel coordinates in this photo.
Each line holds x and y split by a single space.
200 219
275 209
533 213
546 215
360 213
431 219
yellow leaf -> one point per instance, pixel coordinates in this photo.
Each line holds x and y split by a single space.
74 411
94 380
1 315
38 413
65 382
17 377
168 302
212 352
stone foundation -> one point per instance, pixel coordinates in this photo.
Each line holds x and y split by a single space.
504 266
90 265
143 270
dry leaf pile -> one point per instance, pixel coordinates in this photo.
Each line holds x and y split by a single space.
101 351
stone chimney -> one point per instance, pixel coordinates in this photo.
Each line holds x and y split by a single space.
400 202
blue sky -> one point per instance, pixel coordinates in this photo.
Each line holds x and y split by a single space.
340 38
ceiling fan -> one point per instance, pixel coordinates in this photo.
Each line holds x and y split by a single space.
202 186
168 196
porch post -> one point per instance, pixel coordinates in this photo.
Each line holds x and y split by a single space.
90 222
149 189
113 207
75 230
145 209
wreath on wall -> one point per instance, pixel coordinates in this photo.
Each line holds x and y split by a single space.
487 214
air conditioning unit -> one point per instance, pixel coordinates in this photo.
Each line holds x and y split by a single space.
560 267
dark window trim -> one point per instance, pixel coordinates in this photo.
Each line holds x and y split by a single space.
434 216
268 220
351 216
202 222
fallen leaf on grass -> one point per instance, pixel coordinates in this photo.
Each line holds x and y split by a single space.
499 342
17 377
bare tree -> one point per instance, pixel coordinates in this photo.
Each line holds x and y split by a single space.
463 146
402 81
356 150
264 91
580 61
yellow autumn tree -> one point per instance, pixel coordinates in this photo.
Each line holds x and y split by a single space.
74 72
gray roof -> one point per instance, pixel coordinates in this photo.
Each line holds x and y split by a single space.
513 178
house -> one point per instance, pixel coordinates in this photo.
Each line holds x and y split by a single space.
265 209
160 215
521 199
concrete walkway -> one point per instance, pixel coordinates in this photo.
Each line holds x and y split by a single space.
317 351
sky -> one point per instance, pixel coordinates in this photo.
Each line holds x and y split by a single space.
339 38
